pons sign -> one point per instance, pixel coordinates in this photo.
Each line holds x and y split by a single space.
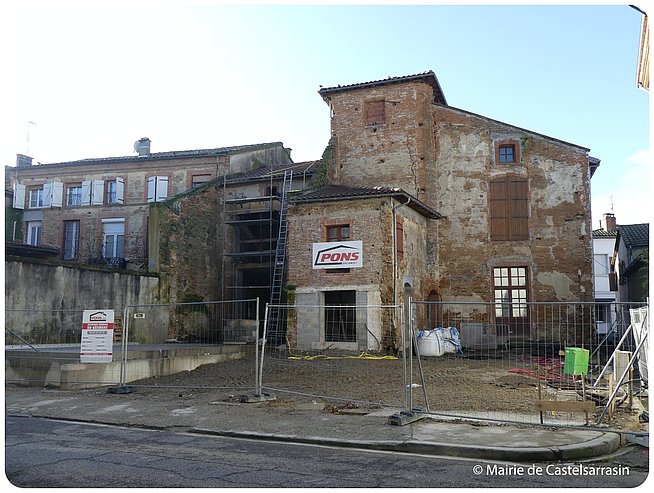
337 255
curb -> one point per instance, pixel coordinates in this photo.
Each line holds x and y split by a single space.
605 444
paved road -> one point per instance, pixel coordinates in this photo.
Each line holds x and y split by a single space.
60 454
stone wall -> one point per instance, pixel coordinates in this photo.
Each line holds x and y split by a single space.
39 293
186 234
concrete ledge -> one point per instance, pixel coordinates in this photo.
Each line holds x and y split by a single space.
62 369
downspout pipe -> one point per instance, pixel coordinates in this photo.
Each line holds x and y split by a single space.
394 228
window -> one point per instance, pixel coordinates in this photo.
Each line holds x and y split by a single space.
71 240
74 195
601 264
36 198
509 209
375 112
34 233
114 238
49 195
116 191
340 316
157 188
340 232
507 151
510 292
199 180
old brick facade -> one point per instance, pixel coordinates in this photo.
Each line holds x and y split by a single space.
515 204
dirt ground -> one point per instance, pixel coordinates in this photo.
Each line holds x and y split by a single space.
452 383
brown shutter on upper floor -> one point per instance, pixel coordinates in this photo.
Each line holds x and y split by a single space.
499 210
518 209
509 208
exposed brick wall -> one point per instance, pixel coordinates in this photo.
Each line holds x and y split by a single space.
447 157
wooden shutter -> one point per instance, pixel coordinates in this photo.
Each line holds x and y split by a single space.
518 208
19 196
162 188
399 234
97 192
120 191
509 208
86 193
57 197
499 210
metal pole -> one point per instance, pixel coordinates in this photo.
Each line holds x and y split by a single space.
403 342
624 373
123 353
257 387
263 347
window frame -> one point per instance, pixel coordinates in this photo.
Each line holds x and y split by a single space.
73 242
74 191
31 227
504 144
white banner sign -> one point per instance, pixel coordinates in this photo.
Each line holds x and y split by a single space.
97 336
338 255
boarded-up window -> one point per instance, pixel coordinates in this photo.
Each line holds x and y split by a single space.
509 209
375 113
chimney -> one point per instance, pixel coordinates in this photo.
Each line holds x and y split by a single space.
609 222
23 161
142 146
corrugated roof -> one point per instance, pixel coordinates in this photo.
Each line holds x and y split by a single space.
306 168
332 193
634 234
219 151
428 77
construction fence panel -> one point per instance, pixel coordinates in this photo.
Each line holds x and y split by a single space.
347 354
164 345
517 362
42 348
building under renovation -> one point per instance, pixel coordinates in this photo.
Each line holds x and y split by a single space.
412 197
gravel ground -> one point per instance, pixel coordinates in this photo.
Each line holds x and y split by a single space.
451 382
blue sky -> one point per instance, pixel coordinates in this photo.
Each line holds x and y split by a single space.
93 79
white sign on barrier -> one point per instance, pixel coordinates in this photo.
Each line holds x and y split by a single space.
97 336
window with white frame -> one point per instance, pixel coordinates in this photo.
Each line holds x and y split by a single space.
34 233
74 194
36 198
601 264
48 195
114 237
116 191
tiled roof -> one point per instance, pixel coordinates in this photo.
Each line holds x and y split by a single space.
634 234
332 193
602 233
219 151
428 77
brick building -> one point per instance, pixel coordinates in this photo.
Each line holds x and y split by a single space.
96 211
454 205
